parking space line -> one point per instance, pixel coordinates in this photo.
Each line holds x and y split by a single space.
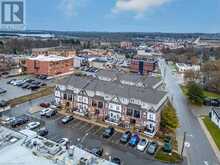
93 126
98 130
84 126
78 123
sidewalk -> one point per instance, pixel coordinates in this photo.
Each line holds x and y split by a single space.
210 139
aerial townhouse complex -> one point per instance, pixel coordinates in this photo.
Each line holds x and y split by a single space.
125 100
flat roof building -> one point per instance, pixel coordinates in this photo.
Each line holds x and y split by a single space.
49 65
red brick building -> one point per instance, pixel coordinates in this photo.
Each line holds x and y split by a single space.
142 65
49 65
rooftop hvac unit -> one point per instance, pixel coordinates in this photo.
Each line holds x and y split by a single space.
83 161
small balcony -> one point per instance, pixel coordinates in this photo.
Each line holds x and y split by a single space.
151 132
111 121
80 112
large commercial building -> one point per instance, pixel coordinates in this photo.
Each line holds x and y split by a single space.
143 65
49 65
125 100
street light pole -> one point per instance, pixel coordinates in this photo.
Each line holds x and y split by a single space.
183 145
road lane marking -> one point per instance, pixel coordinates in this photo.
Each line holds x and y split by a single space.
187 144
206 163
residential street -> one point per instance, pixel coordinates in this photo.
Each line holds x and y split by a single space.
197 148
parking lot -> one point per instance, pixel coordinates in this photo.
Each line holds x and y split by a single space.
84 134
14 91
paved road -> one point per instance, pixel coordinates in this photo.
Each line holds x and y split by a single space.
78 129
198 149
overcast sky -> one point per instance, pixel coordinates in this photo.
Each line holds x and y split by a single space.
124 15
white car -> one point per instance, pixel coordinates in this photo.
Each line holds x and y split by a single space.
44 111
142 145
16 82
8 120
63 141
33 125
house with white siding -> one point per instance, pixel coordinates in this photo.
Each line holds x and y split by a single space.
215 116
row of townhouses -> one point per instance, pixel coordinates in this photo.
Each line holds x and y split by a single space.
122 99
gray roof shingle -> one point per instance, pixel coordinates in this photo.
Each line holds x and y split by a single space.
147 95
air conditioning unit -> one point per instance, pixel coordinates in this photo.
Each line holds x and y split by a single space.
83 161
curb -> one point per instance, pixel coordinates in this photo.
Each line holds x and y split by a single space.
210 139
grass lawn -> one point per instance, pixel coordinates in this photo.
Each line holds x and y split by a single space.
40 93
166 158
213 130
206 93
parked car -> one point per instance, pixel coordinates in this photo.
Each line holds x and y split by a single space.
19 121
42 84
152 148
3 104
33 125
167 147
11 81
29 81
42 132
108 132
116 160
16 82
51 113
97 152
42 77
25 85
211 102
2 91
44 111
125 137
67 119
8 120
20 83
63 141
45 105
34 87
134 140
35 82
142 145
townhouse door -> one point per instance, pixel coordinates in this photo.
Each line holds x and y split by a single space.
114 115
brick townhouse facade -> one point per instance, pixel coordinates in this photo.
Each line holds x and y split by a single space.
113 102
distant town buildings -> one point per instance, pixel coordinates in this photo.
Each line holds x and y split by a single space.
126 45
95 52
181 67
59 51
49 65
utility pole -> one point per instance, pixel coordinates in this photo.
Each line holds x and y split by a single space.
183 145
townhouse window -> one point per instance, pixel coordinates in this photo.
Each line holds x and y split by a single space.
137 114
64 96
129 112
94 103
100 104
70 97
117 107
